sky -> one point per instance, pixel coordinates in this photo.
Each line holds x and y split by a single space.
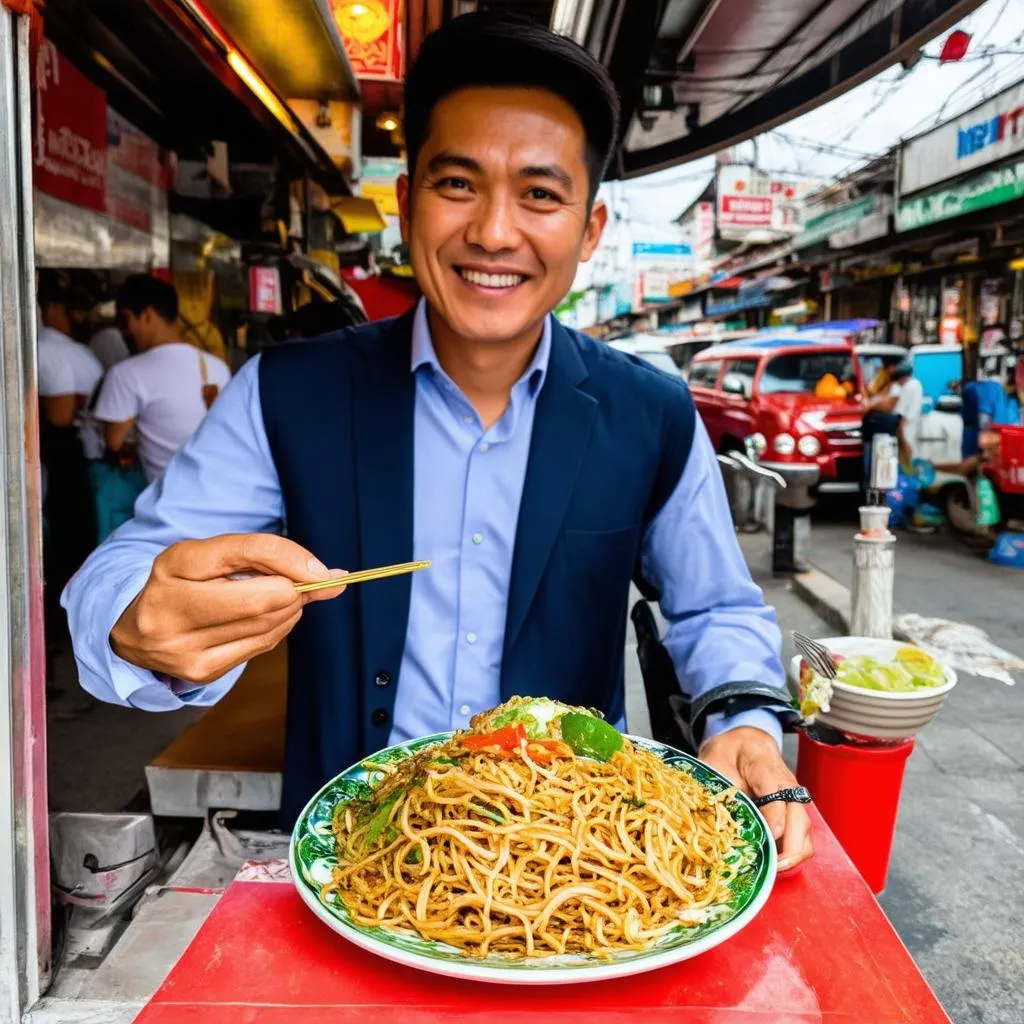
866 121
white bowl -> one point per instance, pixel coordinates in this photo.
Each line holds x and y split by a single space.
878 713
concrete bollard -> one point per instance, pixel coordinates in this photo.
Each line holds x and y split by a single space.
874 566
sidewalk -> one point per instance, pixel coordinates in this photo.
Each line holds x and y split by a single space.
955 893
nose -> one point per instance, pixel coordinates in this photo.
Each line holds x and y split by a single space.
493 226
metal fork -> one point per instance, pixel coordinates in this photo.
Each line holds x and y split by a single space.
817 655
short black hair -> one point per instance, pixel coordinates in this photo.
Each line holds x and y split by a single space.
144 291
51 289
498 49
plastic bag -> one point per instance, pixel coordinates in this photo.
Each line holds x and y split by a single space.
115 489
902 499
988 503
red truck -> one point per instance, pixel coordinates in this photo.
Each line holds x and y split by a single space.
763 394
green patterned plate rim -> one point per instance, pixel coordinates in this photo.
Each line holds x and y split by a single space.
312 857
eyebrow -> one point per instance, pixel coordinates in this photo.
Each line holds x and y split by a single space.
553 172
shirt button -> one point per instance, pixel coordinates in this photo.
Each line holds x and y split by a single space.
382 678
485 447
471 638
469 420
478 538
465 710
379 717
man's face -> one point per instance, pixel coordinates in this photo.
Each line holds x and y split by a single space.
496 217
137 329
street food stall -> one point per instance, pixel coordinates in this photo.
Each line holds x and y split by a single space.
211 927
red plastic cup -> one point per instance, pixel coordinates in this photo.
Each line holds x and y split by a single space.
857 791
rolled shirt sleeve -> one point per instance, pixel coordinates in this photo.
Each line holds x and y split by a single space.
719 628
223 480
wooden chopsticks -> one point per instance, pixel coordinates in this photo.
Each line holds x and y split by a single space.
363 576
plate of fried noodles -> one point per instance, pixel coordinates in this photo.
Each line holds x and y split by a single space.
540 846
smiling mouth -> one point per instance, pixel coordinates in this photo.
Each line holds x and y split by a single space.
493 281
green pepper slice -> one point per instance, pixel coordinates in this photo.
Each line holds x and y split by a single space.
590 737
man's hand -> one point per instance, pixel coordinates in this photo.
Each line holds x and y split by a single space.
751 758
194 623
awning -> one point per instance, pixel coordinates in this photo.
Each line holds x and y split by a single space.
295 44
358 216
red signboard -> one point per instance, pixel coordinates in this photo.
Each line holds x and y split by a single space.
264 290
70 132
745 211
372 30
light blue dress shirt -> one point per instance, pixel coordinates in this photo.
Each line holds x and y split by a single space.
467 490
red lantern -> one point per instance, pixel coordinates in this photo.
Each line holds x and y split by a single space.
955 47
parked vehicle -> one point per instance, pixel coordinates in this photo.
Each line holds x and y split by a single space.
650 348
764 394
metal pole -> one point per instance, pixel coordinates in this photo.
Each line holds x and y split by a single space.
24 869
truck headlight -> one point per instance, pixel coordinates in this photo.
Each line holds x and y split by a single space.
808 445
784 444
756 443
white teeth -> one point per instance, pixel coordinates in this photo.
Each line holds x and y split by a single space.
492 280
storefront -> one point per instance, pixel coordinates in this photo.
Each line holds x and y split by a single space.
965 177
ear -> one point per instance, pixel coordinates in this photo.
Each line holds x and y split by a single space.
403 189
594 229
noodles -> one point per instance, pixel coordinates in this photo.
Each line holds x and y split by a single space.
524 847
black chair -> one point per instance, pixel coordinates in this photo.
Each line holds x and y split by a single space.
668 708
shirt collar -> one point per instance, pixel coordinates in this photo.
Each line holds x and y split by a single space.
423 353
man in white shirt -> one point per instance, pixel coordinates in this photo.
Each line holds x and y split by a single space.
165 390
68 375
909 394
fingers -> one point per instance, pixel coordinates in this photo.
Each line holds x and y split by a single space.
220 556
796 840
775 815
208 665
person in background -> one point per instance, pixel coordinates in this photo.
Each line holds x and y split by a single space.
165 390
897 411
68 375
106 341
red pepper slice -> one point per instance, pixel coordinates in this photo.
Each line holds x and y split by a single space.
544 751
508 739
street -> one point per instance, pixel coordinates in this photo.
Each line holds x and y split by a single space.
954 891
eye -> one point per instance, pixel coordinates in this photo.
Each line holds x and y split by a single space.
542 195
451 184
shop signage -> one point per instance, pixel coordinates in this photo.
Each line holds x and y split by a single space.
137 177
990 188
748 200
264 290
372 31
989 133
657 266
820 228
70 132
379 175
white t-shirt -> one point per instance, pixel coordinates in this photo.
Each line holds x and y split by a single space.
910 399
69 368
162 390
109 346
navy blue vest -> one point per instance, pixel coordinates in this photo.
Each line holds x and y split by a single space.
610 440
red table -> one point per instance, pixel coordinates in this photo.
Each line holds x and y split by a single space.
820 951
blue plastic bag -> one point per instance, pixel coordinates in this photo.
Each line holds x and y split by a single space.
1008 551
902 499
114 491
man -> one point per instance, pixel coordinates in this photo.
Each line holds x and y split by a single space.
165 390
68 375
897 410
539 470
